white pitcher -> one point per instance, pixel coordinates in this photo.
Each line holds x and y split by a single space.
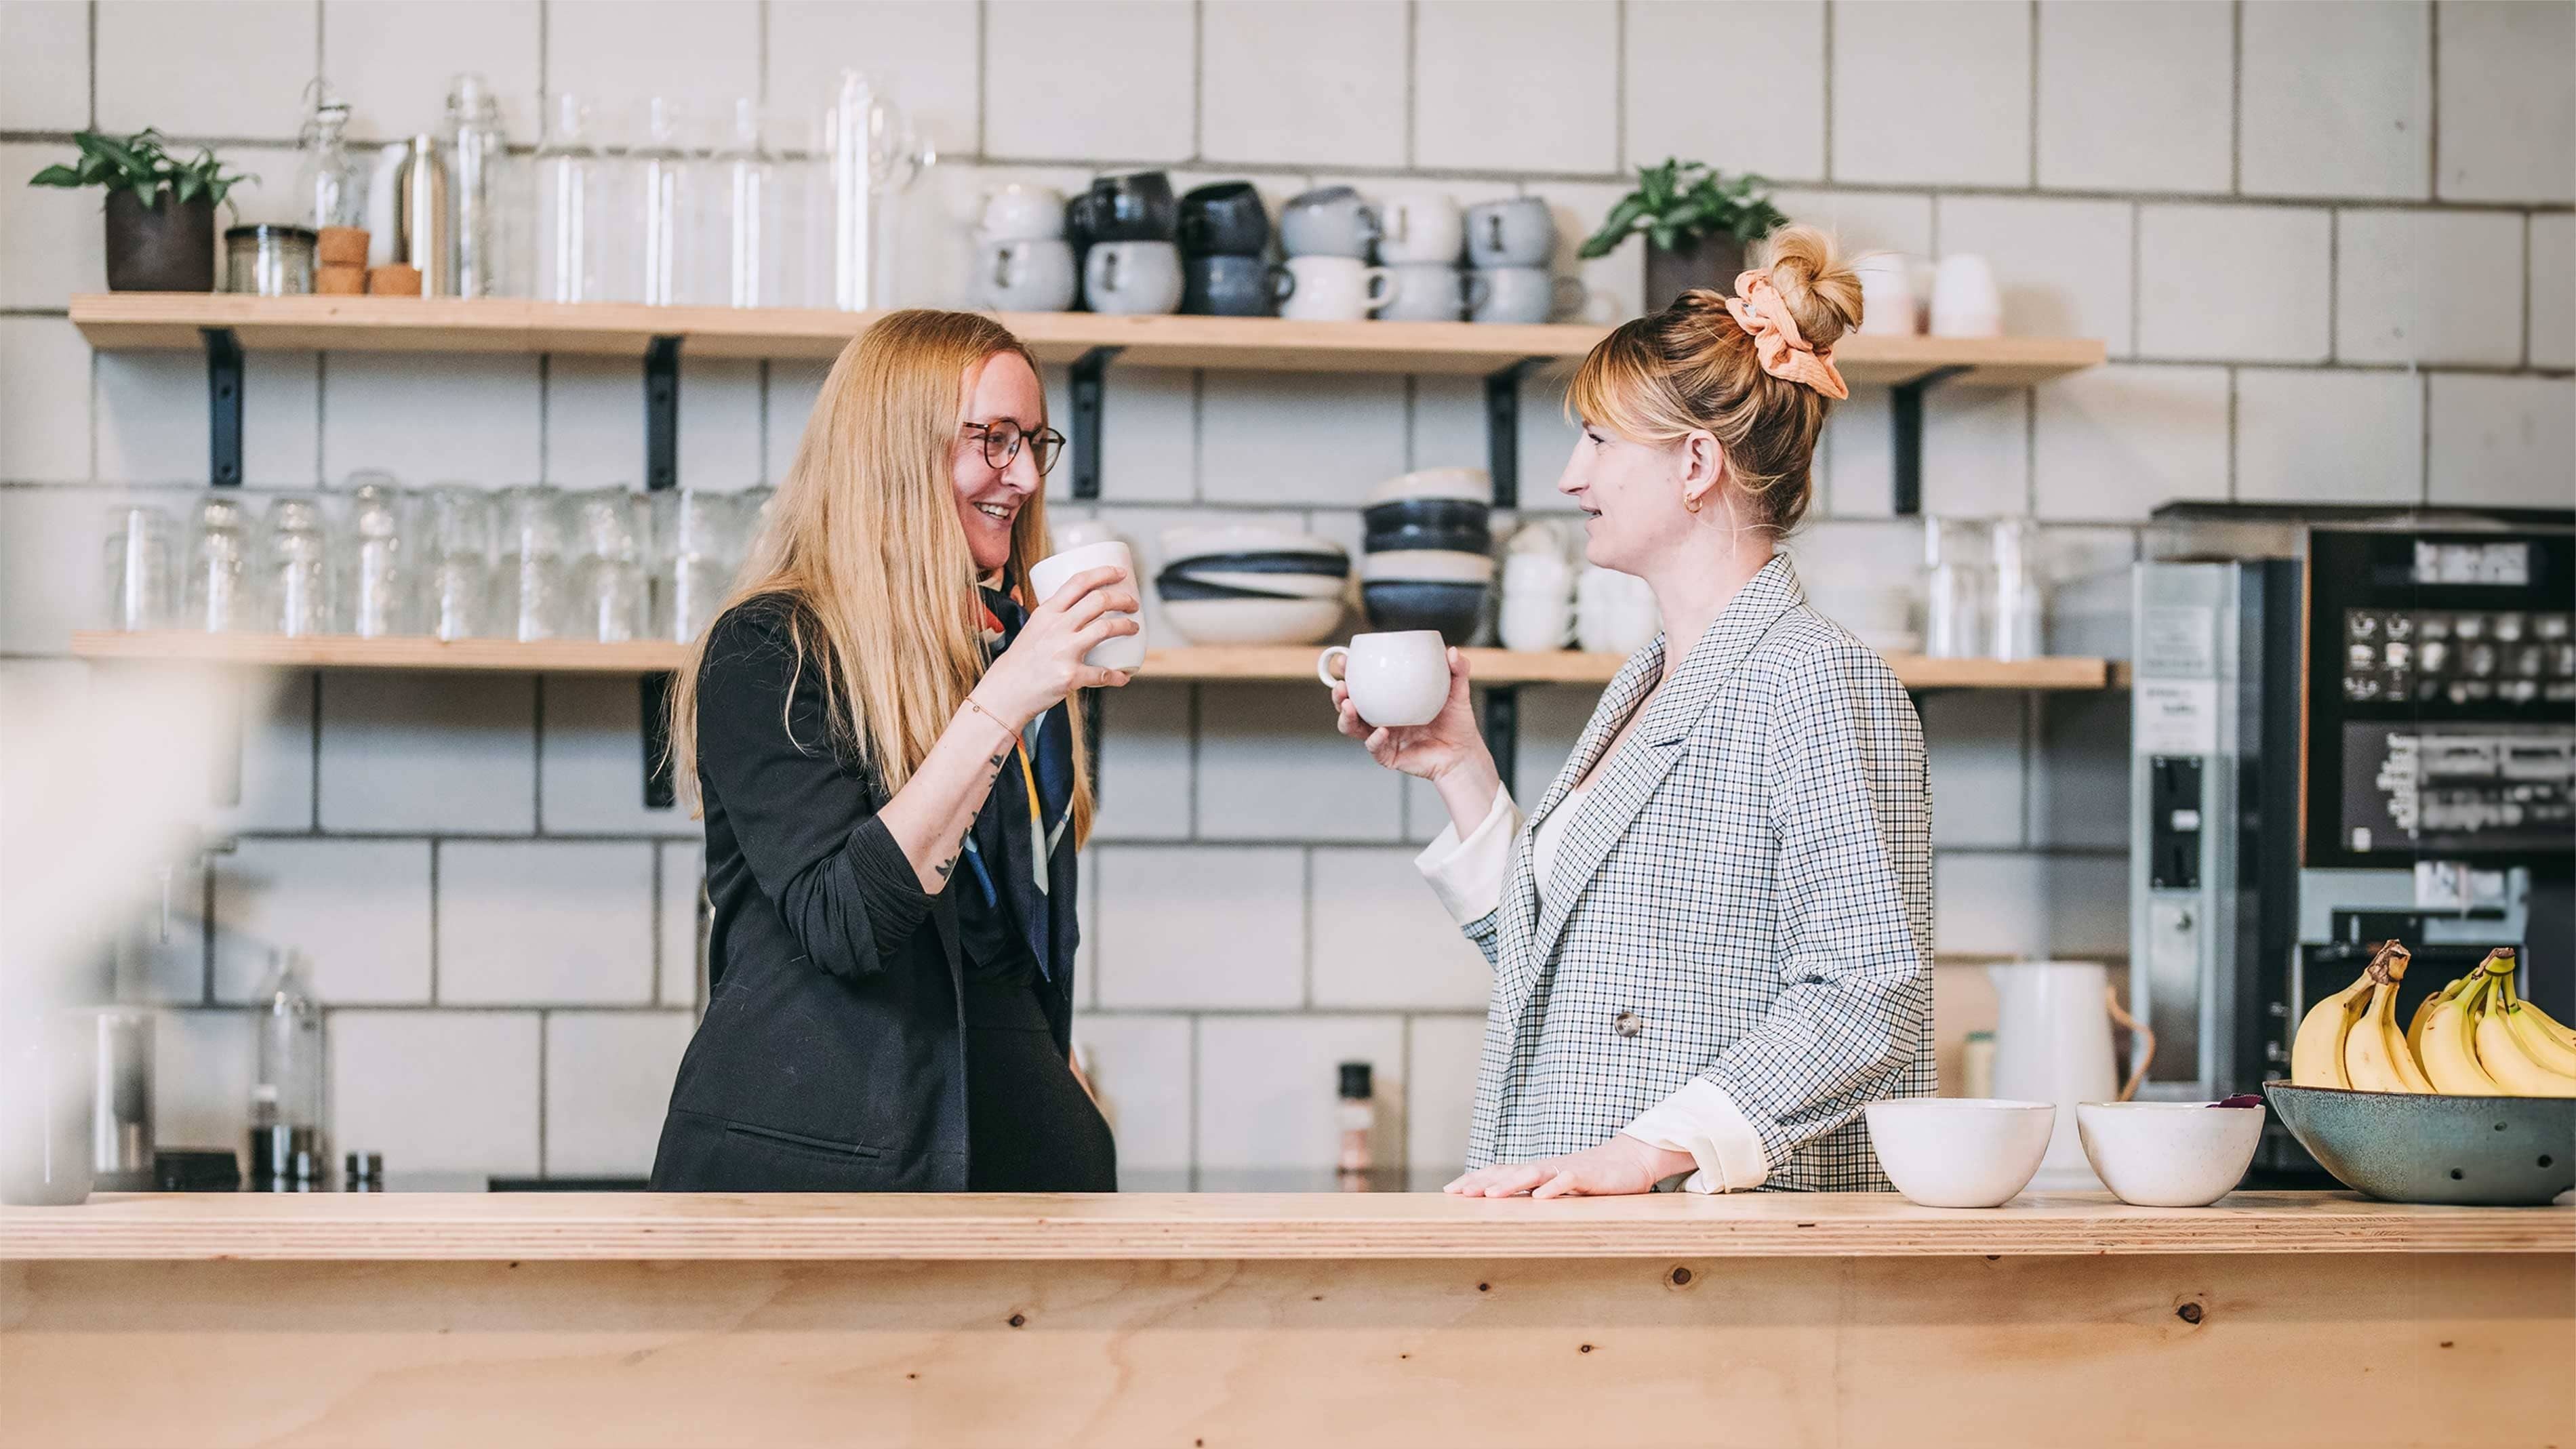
2053 1044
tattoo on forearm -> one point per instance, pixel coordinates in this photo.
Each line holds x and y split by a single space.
950 864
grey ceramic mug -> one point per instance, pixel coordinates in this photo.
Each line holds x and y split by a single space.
1424 292
1515 232
1520 294
1132 278
1330 221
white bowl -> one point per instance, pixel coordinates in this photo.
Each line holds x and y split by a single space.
1280 586
1964 1152
2169 1154
1201 541
1474 485
1426 566
1254 621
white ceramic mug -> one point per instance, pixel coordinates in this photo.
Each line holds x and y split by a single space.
1125 651
1520 294
1132 278
1425 292
1886 297
1020 212
1516 231
1334 289
1395 679
1965 302
1420 226
1035 275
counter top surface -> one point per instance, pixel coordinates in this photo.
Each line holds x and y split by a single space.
631 1226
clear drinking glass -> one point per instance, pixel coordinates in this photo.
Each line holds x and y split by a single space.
481 177
581 233
531 586
2020 604
752 231
456 560
138 567
1954 590
375 586
870 153
697 544
608 579
222 590
295 571
668 185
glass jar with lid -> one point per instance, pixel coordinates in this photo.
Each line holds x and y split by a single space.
330 188
269 261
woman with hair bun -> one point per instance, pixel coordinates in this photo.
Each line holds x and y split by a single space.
1712 936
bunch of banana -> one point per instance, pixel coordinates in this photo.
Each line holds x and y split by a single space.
2474 1038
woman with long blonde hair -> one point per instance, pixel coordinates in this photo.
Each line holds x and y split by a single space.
1712 936
876 730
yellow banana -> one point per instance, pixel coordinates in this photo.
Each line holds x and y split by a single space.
2316 1053
2424 1013
2552 1057
2551 1024
2450 1054
2374 1048
2514 1071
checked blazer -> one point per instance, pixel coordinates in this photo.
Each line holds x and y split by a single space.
1746 897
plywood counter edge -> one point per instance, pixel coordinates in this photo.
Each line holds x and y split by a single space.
630 1227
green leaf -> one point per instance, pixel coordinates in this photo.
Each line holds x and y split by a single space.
185 188
146 193
55 176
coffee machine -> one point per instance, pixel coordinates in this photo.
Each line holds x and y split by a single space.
2345 729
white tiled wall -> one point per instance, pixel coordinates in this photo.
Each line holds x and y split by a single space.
2324 272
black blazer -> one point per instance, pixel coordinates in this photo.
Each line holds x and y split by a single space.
832 1054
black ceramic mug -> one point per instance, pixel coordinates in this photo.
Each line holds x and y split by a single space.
1226 286
1134 207
1225 218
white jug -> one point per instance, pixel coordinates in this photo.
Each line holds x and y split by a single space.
2053 1044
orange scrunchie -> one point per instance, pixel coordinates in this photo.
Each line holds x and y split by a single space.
1760 310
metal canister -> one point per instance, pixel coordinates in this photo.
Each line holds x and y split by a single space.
121 1114
424 226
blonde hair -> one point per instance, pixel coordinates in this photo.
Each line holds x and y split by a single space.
864 544
1692 368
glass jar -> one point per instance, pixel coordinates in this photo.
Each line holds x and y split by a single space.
608 581
375 586
138 567
456 561
296 573
697 545
269 261
2020 603
582 236
751 230
530 586
668 183
479 183
330 188
222 590
1954 590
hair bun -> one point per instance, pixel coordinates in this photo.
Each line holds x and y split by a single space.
1816 281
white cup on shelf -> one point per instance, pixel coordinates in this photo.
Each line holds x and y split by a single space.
1965 301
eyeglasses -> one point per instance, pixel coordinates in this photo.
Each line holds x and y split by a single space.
1002 442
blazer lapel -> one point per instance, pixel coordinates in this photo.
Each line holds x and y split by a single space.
1654 747
1520 887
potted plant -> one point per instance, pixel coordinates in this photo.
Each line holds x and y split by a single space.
160 211
1697 226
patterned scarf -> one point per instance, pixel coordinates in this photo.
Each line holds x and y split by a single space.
1026 818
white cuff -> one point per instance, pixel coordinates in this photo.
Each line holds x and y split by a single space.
1467 875
1703 1121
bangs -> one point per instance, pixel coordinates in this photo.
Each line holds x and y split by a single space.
1610 387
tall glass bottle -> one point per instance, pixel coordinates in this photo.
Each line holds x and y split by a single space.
661 169
576 232
479 185
286 1096
330 189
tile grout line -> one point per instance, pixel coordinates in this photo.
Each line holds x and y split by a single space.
544 1023
1826 35
1412 80
2236 100
2032 99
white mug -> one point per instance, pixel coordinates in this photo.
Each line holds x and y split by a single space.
1420 226
1425 292
1334 289
1020 212
1520 294
1965 302
1396 679
1124 651
1034 275
1886 297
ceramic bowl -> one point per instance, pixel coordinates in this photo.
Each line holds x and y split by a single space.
1181 545
1427 566
1429 513
1470 485
1181 578
1414 537
2169 1154
1451 608
2400 1147
1960 1152
1254 621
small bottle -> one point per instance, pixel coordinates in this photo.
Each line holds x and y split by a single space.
286 1096
363 1172
330 190
480 186
1357 1115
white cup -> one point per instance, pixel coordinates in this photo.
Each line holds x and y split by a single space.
1396 679
1535 621
1425 292
1124 651
1420 226
1027 276
1965 302
1335 289
1520 294
1886 297
1023 213
1132 278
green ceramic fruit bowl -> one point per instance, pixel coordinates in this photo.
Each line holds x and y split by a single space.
2401 1147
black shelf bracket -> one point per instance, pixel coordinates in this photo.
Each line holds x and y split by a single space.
662 413
1089 384
1905 408
1503 429
653 693
1502 717
223 405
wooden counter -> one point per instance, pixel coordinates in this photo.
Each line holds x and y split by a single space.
2275 1318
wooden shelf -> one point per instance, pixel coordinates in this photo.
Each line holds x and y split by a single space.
1276 665
147 321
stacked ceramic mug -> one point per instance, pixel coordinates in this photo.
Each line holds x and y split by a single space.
1510 242
1225 231
1125 227
1420 238
1022 261
1327 234
1429 562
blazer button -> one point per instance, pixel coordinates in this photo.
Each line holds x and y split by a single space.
1628 1023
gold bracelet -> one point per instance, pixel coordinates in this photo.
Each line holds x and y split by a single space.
977 706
